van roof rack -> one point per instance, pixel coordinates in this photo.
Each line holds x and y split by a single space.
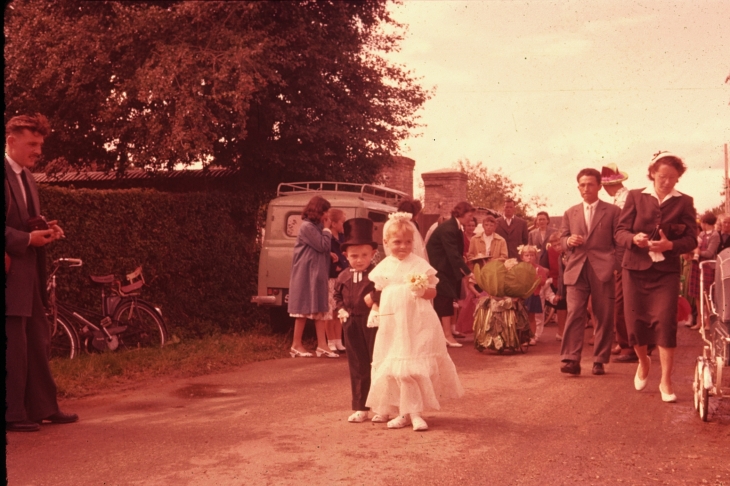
368 192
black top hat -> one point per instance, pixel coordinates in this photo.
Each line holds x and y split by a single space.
358 231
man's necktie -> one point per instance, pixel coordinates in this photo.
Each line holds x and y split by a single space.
28 196
589 217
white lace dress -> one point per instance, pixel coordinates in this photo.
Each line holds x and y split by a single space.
411 368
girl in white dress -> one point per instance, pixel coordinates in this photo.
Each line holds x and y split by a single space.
411 368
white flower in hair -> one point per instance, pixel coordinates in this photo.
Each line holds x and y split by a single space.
400 216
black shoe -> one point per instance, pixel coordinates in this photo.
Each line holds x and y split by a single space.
626 358
598 369
62 418
571 367
22 426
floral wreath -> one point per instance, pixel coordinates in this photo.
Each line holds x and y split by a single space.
400 216
522 248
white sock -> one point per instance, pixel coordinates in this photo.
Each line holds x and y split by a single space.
539 324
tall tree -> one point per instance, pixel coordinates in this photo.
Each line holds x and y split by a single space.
489 189
283 90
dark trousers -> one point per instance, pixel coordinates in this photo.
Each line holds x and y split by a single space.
622 334
360 340
30 392
588 285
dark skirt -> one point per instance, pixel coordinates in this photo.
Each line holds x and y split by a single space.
533 304
650 307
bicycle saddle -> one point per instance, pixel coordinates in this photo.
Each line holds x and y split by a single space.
105 279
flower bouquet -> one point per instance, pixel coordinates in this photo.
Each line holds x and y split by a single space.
417 283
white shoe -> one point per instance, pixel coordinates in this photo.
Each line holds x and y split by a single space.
379 419
667 397
419 424
399 422
332 345
339 346
449 344
640 384
558 337
327 354
358 417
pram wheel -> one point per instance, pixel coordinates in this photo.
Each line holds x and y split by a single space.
701 394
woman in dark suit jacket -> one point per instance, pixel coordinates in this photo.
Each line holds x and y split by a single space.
540 236
657 226
445 250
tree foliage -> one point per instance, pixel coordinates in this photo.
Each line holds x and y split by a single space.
489 189
283 90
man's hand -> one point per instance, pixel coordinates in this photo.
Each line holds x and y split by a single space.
41 237
333 255
57 230
575 240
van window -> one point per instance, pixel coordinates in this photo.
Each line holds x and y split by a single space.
293 222
378 219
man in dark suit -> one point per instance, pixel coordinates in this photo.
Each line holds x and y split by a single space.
512 228
587 232
445 250
30 389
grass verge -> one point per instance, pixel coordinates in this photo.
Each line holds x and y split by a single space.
91 374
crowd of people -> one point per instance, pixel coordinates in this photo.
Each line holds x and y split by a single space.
613 266
617 267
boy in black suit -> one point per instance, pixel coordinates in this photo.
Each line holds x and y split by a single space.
351 288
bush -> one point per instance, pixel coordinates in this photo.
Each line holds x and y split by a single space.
198 250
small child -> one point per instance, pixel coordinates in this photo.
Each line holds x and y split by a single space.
533 304
411 368
351 288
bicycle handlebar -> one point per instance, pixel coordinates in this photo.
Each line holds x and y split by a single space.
73 262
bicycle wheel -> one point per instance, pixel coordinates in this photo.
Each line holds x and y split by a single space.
145 327
64 340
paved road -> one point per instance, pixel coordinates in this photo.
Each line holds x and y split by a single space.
285 422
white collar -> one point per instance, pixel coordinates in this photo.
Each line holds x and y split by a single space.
652 192
14 165
591 205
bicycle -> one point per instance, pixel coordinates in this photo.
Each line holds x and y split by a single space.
126 321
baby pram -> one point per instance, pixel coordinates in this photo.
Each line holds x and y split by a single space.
715 316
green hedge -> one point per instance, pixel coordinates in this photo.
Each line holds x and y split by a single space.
198 250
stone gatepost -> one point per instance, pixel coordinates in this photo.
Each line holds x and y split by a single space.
443 189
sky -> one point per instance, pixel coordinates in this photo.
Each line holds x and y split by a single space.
541 89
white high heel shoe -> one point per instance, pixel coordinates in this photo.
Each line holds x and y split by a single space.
326 353
640 384
667 397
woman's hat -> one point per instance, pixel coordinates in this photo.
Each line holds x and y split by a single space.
611 175
358 231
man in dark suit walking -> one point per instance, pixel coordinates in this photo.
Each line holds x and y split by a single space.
445 250
587 232
512 228
30 389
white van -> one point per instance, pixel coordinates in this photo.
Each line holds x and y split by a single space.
283 218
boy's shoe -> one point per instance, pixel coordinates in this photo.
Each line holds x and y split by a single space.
380 419
358 417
